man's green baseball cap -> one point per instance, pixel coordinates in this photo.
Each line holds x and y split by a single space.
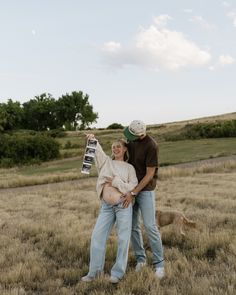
135 129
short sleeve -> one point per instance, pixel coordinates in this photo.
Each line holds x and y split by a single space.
152 156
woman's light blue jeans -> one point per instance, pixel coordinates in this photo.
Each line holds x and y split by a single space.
145 205
110 214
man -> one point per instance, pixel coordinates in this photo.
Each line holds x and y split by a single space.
143 155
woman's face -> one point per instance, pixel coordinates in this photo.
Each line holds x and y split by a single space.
118 150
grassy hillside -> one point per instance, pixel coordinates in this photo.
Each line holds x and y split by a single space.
175 126
73 145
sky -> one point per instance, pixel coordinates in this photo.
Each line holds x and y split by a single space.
157 61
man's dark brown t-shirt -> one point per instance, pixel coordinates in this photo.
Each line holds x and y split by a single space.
142 154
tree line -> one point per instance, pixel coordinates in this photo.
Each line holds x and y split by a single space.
44 112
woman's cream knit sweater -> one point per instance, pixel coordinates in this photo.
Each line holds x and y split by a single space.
123 173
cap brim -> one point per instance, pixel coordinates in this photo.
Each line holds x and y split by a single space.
129 135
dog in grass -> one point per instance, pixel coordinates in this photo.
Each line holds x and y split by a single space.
178 219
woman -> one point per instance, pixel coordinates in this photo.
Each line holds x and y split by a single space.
115 178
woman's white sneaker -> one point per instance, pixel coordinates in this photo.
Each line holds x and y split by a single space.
139 266
160 272
114 280
87 279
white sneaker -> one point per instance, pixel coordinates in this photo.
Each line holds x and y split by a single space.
114 280
87 279
160 272
139 266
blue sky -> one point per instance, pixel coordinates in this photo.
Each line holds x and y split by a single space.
159 61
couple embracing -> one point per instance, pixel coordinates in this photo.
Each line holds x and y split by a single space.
126 187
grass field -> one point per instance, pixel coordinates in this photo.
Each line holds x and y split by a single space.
45 237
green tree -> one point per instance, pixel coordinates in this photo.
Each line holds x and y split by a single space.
23 149
115 126
11 115
3 119
74 111
40 113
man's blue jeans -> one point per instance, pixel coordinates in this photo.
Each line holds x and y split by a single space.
145 205
109 214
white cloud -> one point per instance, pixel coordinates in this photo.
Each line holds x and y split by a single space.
226 59
33 32
114 54
157 48
112 47
169 49
203 23
232 16
223 60
162 20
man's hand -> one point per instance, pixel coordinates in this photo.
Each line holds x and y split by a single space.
128 198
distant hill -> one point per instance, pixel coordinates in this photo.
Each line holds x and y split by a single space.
176 127
223 117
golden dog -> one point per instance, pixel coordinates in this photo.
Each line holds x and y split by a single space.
174 217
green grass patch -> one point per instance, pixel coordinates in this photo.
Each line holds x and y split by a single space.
193 150
60 167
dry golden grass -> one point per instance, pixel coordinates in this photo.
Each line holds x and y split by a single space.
45 237
36 175
13 179
190 169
